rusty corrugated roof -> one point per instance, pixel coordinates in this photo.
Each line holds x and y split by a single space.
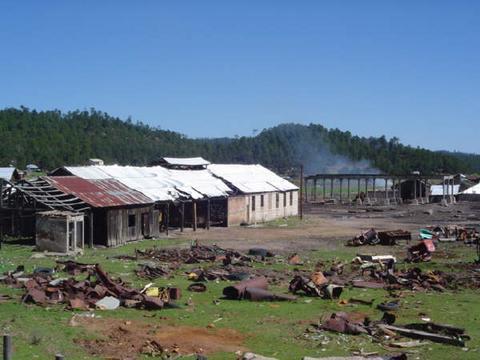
99 193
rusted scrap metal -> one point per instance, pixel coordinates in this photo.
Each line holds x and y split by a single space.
263 253
421 251
192 255
152 272
391 237
74 268
197 287
450 233
316 285
343 322
372 237
369 237
295 259
237 291
255 290
357 323
42 289
431 332
360 357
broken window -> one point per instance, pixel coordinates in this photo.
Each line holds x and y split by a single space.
262 199
253 203
131 220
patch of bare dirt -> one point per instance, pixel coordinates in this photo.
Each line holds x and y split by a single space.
117 339
328 227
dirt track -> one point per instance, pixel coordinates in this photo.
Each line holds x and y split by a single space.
328 227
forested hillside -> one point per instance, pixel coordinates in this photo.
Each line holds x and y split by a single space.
51 139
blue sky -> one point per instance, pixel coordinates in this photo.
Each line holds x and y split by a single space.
222 68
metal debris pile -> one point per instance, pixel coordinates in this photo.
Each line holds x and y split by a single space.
445 233
372 237
384 331
316 285
98 290
192 255
255 290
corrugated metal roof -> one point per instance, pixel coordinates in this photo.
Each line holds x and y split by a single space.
472 190
201 182
437 190
157 182
251 178
99 192
194 161
6 173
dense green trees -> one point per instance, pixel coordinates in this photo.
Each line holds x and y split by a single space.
51 139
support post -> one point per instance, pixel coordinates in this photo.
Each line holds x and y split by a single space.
90 240
374 194
314 190
182 220
167 216
331 188
305 185
7 347
194 215
208 214
348 189
366 188
300 200
358 187
443 189
341 189
415 201
387 200
324 188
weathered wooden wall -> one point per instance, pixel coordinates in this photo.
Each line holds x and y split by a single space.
117 225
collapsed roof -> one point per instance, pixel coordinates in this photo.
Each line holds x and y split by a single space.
161 184
100 192
156 182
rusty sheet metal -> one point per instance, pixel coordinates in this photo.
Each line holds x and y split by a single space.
237 291
99 193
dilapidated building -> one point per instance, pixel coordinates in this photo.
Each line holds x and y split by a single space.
260 194
126 203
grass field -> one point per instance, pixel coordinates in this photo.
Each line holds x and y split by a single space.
271 329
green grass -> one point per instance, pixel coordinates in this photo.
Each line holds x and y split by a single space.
271 329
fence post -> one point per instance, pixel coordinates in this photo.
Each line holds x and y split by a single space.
7 347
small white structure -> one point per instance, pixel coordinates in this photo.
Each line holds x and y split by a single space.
95 162
8 173
59 231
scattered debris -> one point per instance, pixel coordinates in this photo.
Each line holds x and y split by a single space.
358 323
255 290
102 291
316 285
152 272
197 287
421 251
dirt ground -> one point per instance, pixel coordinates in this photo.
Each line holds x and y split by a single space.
329 226
122 339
